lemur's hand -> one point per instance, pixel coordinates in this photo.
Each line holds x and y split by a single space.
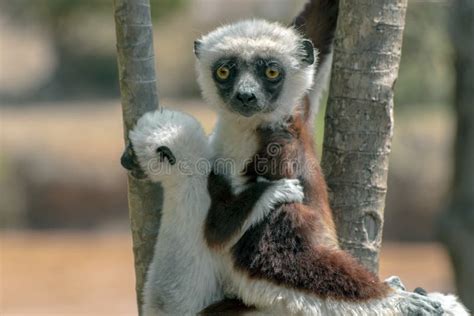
129 161
279 192
287 191
276 193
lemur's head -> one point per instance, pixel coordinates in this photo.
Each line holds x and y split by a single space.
255 68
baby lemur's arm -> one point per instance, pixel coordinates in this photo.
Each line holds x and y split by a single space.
231 214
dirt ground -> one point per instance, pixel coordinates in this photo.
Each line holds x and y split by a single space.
72 273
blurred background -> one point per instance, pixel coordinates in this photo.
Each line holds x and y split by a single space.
65 241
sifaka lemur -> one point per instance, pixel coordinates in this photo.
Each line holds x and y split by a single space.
171 148
246 213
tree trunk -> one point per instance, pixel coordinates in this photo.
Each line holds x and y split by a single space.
136 62
359 121
457 222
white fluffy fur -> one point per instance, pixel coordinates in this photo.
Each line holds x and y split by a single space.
183 277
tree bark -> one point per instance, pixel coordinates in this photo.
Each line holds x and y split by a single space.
136 62
457 222
359 121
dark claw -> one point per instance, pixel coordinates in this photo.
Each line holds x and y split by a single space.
138 174
128 159
165 152
421 291
129 162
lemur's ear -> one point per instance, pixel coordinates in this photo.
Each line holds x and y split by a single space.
308 51
197 46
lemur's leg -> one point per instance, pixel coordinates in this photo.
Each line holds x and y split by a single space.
230 215
400 302
276 265
283 300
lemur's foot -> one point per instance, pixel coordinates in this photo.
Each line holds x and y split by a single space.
164 153
420 302
130 162
450 304
413 304
419 305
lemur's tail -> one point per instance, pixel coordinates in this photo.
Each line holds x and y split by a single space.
317 21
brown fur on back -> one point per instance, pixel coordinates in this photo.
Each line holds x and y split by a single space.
296 245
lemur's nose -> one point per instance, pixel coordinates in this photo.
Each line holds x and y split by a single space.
246 98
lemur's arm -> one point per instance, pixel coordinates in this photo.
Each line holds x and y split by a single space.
230 215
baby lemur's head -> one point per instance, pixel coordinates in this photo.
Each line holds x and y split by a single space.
255 68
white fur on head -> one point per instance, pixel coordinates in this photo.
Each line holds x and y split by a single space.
181 133
250 38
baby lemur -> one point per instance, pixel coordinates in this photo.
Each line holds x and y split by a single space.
235 221
171 148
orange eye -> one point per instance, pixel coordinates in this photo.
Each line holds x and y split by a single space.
223 72
272 73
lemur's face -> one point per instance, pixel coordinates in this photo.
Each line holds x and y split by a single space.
254 68
250 86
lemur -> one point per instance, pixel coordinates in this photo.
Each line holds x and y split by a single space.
252 236
257 74
171 148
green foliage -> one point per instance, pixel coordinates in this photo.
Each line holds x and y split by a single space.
426 69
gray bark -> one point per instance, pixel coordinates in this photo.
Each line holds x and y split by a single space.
359 121
457 222
136 62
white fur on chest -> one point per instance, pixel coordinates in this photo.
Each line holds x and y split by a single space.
234 143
